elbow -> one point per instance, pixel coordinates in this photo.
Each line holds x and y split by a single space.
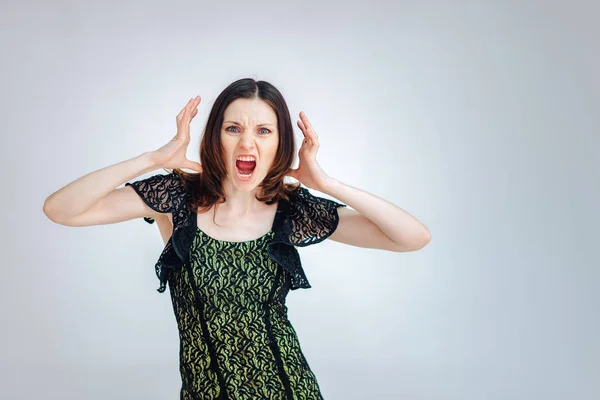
425 240
50 212
427 237
414 245
47 209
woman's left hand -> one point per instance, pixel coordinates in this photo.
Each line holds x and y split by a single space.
309 172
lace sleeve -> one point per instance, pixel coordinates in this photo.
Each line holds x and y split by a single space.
313 218
162 193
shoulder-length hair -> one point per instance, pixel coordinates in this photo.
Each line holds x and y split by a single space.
206 188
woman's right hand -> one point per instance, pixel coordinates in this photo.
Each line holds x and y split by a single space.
173 154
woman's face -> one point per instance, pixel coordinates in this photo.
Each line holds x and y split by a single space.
250 138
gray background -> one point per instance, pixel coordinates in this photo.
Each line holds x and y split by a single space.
479 118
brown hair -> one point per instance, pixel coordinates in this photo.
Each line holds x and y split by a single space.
206 188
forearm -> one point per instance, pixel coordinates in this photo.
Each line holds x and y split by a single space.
80 195
393 221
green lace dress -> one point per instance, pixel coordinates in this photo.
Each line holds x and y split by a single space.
236 341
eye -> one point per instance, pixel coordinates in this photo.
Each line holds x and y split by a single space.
263 131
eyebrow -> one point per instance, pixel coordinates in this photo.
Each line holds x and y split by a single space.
237 123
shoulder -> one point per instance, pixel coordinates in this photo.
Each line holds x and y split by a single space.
309 218
162 192
171 181
304 201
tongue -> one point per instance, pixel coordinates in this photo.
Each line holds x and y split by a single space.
245 167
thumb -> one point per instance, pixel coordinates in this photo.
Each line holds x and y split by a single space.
194 166
292 172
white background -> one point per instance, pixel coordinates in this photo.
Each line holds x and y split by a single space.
480 118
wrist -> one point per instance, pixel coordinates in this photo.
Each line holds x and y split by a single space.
147 162
329 185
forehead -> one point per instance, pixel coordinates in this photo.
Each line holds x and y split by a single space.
250 111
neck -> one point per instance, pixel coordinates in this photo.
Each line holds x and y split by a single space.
239 202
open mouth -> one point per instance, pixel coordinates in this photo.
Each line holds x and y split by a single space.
245 169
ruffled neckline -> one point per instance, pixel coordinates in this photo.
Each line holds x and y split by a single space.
260 239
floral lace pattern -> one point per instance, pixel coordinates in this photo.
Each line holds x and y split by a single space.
236 341
304 220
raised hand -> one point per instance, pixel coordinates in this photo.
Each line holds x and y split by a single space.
173 154
309 172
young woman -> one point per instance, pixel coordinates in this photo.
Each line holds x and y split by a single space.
231 232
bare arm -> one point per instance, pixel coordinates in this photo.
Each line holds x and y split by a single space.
93 199
375 223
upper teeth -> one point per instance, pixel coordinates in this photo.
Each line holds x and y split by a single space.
246 158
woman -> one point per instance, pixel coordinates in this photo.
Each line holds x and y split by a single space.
231 231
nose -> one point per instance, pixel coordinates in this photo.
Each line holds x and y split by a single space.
246 141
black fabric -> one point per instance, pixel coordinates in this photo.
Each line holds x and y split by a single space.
162 193
166 194
304 220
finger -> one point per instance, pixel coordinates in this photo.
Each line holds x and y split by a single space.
301 126
309 140
305 131
182 114
308 125
182 111
195 106
308 136
189 106
306 139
